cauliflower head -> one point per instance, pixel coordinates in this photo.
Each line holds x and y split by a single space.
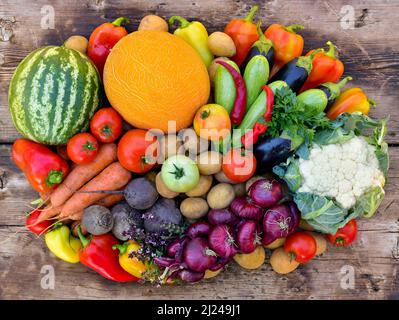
343 172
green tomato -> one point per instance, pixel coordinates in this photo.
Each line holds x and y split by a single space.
180 173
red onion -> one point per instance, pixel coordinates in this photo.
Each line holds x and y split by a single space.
245 208
279 222
174 247
198 229
164 261
191 276
220 263
247 236
198 256
222 216
266 192
221 241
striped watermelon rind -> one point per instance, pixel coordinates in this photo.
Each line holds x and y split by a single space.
53 94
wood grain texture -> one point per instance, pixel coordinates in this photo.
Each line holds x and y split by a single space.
370 52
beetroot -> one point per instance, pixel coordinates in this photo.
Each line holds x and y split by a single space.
198 256
279 222
222 216
266 192
221 241
198 229
245 208
247 236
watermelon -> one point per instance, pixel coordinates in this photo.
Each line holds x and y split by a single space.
53 94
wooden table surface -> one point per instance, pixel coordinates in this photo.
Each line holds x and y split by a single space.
370 51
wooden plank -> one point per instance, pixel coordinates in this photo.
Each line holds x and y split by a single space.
374 257
369 50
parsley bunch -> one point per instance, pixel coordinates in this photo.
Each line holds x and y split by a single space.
291 120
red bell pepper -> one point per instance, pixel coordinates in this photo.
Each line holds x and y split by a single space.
288 45
37 228
326 68
240 103
244 34
102 40
251 137
97 254
43 168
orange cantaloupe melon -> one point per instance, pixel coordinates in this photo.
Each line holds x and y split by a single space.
151 77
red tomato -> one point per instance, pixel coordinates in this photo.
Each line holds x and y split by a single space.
82 148
38 228
239 165
345 235
106 125
138 150
301 245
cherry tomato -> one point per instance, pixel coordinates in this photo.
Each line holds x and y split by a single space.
345 235
82 148
106 125
138 150
38 228
301 246
239 165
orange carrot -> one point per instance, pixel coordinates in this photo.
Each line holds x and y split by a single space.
83 173
48 212
112 177
110 200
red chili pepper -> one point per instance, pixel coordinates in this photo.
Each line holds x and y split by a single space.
287 44
326 67
102 40
244 34
32 225
240 103
260 128
43 168
97 254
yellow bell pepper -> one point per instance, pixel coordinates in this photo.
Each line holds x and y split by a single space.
132 265
351 100
62 244
195 34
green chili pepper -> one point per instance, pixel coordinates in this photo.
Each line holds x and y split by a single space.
256 75
225 89
62 244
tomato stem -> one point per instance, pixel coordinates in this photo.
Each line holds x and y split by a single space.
178 173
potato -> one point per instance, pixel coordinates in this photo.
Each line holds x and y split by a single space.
281 262
153 22
211 274
239 189
78 43
162 189
170 145
212 69
209 162
221 177
203 186
220 196
192 143
251 181
194 208
305 226
253 260
151 176
221 44
321 242
276 244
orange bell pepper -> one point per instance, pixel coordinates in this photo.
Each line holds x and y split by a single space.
244 34
326 68
351 100
288 45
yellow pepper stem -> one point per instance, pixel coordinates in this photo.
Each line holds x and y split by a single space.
184 23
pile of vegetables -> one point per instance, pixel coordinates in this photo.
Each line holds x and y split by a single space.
278 163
